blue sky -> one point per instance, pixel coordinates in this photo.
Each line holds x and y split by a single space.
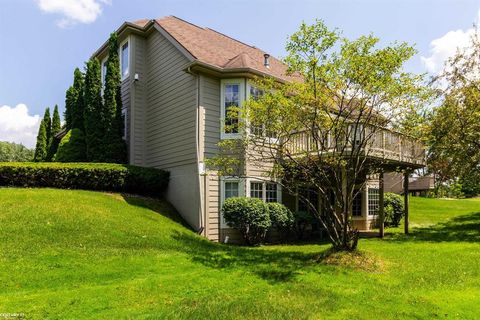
42 41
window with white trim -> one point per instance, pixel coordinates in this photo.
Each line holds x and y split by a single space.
256 190
104 72
373 201
357 204
266 191
231 189
259 129
124 59
231 107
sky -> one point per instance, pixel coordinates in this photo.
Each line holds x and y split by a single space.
43 41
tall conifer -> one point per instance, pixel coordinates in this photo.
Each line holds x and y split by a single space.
93 120
41 146
56 127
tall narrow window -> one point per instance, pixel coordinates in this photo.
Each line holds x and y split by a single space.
271 192
256 128
104 72
124 62
231 107
256 190
357 204
373 201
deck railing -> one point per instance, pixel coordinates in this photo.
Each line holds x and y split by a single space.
377 143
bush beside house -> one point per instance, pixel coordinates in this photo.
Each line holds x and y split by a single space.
394 209
89 176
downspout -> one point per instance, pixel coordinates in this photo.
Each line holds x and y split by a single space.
201 229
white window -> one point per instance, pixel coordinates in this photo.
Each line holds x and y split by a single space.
232 97
259 129
124 120
266 191
373 201
256 190
124 59
104 72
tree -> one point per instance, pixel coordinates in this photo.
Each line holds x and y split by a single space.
56 128
41 146
12 152
48 126
93 114
72 147
319 130
74 102
115 147
454 127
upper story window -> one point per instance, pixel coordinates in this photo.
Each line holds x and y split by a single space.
232 96
124 59
259 129
104 72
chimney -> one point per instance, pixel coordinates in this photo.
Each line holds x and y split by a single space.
266 63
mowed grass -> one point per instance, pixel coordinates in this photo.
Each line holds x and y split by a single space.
88 255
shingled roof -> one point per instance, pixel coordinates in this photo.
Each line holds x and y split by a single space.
216 49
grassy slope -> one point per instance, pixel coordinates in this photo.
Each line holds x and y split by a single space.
79 254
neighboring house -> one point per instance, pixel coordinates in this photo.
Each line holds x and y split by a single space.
417 186
177 79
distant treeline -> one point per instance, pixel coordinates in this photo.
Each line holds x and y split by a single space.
13 152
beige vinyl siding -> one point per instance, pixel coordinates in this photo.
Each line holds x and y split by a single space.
125 93
170 106
138 93
210 100
213 208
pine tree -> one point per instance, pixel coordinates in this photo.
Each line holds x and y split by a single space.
93 120
56 127
74 102
48 127
41 147
115 148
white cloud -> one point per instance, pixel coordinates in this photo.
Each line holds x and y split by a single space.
16 125
73 11
445 47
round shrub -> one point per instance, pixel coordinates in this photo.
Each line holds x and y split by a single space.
282 218
394 210
72 147
250 216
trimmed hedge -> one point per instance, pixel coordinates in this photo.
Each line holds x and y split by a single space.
89 176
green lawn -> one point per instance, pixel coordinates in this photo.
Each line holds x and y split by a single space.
79 254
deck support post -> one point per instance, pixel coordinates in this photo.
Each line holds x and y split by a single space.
405 198
381 210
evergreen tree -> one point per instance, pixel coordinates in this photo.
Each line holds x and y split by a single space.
93 120
48 127
56 127
114 147
41 147
74 102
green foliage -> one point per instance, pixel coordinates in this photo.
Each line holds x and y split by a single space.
48 127
56 128
94 124
282 218
12 152
302 221
41 146
90 176
74 102
72 147
393 209
250 216
115 149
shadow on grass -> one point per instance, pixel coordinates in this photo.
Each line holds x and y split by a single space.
464 228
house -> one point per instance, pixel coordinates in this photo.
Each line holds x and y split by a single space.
417 185
176 80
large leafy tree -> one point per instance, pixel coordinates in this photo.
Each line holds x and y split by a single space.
320 130
454 135
93 114
115 147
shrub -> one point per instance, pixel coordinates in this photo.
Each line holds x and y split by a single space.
394 209
281 217
302 220
89 176
72 147
250 216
